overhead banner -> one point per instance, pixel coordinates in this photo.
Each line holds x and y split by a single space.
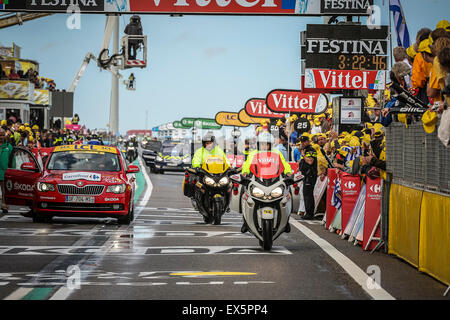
230 119
344 79
250 7
294 101
256 107
245 118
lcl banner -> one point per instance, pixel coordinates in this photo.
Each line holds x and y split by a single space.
328 79
351 186
256 107
229 119
251 7
294 101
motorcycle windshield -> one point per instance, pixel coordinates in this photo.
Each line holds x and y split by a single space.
215 165
267 165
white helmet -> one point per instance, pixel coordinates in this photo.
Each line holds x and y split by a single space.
266 137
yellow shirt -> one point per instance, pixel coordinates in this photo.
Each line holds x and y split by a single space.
421 71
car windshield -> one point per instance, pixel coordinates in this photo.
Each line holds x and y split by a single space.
175 150
87 161
153 145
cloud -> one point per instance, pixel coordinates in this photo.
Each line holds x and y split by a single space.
214 52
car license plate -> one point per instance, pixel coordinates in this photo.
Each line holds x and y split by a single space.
267 213
80 199
172 164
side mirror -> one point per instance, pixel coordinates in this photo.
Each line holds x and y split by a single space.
28 166
133 169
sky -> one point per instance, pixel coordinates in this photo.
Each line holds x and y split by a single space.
197 65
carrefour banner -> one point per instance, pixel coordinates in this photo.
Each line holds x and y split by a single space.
251 7
16 90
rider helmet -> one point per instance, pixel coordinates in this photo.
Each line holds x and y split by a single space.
209 137
267 138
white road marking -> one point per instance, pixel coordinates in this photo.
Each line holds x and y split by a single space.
113 249
18 294
349 266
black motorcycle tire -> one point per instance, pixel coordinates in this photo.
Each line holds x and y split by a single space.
267 234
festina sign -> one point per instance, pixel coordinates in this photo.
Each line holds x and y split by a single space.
345 6
345 79
63 5
256 107
293 101
371 47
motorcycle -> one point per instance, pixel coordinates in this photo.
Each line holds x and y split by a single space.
266 202
209 188
131 152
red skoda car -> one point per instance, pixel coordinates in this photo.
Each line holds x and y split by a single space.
76 180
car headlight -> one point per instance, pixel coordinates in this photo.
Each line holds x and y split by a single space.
224 181
209 181
44 187
117 188
277 192
187 160
257 192
158 158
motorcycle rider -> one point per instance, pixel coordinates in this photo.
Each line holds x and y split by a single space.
265 144
209 148
132 142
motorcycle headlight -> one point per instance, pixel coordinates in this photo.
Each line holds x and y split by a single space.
117 188
224 181
44 187
209 181
130 148
277 192
257 192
